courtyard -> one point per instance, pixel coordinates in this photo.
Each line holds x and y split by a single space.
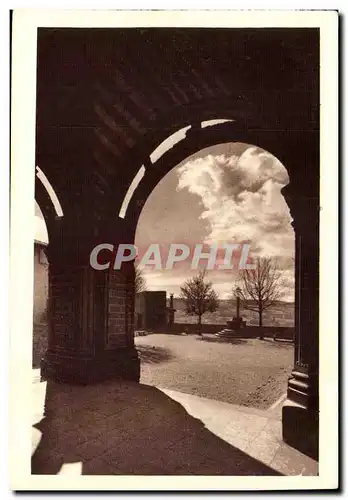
247 372
203 406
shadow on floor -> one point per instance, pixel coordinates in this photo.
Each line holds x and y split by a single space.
153 354
129 429
283 344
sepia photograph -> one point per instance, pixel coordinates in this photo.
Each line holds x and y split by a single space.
173 191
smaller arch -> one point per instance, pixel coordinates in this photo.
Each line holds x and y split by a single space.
50 191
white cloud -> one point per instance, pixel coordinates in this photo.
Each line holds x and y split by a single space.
242 200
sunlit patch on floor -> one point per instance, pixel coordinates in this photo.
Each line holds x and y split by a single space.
74 469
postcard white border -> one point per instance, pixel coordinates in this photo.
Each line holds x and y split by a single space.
25 23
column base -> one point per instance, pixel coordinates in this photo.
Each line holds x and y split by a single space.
120 363
301 428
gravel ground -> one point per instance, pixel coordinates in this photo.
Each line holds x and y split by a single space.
248 372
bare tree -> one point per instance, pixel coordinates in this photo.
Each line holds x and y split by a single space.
199 297
260 288
139 280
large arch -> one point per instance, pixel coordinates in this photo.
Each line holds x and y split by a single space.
303 201
282 144
158 204
99 120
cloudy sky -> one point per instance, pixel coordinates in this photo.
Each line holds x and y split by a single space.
224 194
228 193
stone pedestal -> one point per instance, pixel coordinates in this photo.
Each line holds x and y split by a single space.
301 428
236 323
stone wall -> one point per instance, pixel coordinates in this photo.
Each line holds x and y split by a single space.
117 311
281 314
40 284
40 342
40 303
251 331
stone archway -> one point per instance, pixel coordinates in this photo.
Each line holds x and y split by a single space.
300 411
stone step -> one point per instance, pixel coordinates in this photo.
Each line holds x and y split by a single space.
227 333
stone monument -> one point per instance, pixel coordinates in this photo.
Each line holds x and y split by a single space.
237 322
170 312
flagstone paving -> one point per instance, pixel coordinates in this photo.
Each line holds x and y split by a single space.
127 428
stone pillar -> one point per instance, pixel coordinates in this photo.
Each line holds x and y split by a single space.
171 311
90 318
301 409
238 307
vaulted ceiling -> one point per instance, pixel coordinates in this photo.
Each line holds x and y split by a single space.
106 98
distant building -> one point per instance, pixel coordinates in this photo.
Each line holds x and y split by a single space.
150 310
40 281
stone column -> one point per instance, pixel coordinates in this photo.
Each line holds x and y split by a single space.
90 318
301 409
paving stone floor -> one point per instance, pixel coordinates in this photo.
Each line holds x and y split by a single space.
127 428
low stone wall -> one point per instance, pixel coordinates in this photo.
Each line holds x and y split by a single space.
280 332
192 328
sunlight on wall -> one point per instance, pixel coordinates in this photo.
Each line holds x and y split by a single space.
179 136
168 143
130 192
71 469
210 123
